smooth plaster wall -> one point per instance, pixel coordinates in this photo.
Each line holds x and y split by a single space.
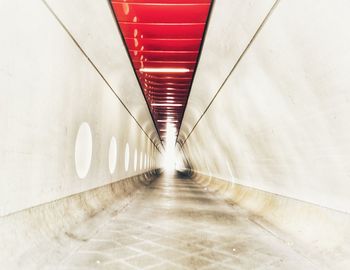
50 86
280 122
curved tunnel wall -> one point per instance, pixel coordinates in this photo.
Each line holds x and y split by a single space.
57 77
279 121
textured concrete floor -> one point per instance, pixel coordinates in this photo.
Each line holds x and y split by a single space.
177 224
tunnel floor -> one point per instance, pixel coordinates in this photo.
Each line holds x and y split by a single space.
175 223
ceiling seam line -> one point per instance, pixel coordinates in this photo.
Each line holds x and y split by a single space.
274 6
200 51
96 69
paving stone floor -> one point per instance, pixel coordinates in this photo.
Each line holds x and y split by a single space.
177 224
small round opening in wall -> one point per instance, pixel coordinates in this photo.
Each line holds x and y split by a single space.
83 150
135 160
126 157
112 155
141 164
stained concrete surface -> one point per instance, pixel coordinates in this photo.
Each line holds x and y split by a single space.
176 223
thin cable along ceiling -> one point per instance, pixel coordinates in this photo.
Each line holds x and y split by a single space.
163 38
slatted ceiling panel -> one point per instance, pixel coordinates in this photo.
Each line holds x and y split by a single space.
163 38
163 30
162 44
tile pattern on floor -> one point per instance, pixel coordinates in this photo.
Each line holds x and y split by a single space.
177 224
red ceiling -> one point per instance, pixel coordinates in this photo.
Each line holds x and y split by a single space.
163 38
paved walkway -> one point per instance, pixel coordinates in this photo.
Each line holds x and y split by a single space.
176 224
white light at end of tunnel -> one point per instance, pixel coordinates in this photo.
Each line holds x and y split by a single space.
169 157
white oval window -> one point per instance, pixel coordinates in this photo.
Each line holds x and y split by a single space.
83 150
112 155
144 161
127 157
135 160
141 161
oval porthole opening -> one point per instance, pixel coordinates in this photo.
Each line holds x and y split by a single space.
83 150
126 157
112 155
141 160
135 160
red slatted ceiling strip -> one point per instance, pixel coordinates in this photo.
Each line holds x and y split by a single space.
163 38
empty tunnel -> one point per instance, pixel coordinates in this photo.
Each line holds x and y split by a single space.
174 134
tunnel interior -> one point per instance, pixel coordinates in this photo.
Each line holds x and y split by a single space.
174 134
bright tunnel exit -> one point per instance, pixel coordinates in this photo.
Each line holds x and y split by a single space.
169 156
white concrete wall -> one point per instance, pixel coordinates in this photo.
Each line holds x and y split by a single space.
280 121
50 85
